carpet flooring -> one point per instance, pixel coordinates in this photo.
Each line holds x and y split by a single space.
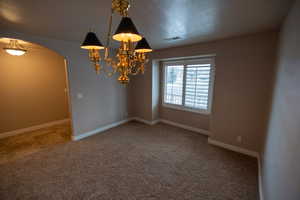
133 161
21 145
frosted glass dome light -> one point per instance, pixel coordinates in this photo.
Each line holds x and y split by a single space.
14 48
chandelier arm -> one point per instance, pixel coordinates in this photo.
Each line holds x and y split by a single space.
135 66
112 63
135 73
108 72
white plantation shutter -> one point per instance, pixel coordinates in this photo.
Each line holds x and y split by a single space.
188 84
174 84
197 86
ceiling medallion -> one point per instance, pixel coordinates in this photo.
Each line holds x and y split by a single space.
131 55
14 48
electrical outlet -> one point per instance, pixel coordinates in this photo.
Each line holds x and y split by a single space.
239 139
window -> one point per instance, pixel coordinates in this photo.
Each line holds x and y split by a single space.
188 84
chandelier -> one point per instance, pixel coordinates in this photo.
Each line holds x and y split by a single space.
131 55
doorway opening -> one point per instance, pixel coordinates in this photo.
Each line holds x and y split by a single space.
35 102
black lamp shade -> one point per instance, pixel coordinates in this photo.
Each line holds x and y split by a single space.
143 46
127 31
92 42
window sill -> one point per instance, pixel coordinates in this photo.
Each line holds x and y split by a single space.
182 108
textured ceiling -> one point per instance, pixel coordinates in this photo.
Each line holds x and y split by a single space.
191 20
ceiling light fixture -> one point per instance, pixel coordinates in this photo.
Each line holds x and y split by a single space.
14 48
130 60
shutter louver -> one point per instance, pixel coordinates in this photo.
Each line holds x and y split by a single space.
197 86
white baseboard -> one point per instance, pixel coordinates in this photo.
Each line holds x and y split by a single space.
104 128
190 128
32 128
260 186
246 152
99 130
145 121
155 121
233 148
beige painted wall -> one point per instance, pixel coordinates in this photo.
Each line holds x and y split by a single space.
104 100
244 72
32 88
281 157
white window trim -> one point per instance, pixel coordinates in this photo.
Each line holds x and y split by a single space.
185 62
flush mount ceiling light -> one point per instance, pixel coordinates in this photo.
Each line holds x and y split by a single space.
14 48
129 60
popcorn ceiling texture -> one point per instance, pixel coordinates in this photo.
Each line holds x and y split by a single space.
133 161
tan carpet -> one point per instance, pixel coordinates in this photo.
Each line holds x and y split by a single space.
18 146
133 161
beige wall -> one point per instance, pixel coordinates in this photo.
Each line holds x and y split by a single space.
281 158
244 72
32 88
104 100
140 95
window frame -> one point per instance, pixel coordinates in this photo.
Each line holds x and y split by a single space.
186 62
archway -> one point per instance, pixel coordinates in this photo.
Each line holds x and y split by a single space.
35 105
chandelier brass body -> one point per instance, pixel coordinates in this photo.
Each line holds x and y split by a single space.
129 60
121 7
